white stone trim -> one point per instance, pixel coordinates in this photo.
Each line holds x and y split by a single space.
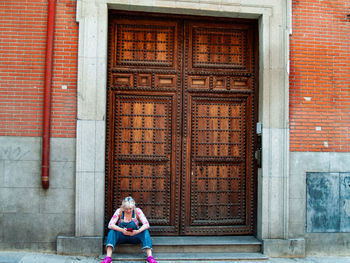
274 29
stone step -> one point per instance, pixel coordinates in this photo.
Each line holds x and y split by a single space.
199 244
190 257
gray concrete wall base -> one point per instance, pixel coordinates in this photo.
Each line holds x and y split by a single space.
72 245
284 247
302 163
31 217
325 244
46 247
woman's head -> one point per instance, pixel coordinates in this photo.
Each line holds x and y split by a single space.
128 203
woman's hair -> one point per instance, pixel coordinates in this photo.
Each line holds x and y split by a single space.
128 202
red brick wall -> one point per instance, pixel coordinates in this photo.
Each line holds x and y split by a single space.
320 76
22 65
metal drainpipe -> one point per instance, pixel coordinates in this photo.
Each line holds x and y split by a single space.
45 167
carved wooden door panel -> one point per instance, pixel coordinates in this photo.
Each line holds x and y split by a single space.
144 120
181 114
218 194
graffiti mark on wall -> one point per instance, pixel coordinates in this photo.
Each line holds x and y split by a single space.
13 153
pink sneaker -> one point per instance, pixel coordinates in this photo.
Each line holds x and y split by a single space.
107 260
151 259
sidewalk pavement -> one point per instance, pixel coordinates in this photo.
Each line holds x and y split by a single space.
32 257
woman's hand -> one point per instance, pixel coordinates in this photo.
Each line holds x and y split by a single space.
126 232
132 233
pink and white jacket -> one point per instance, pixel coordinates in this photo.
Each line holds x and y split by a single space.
140 216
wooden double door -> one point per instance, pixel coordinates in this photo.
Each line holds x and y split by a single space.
181 105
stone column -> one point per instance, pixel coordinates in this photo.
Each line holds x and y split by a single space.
90 144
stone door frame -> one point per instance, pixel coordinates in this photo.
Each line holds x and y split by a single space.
273 180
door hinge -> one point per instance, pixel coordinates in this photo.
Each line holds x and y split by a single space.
258 128
258 157
258 152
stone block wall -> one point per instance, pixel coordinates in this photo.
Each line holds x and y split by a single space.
327 202
324 238
30 217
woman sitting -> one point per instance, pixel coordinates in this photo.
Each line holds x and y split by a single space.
125 229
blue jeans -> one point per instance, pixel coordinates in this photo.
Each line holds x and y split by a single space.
116 237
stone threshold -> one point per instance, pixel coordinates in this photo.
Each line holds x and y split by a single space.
204 240
190 257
